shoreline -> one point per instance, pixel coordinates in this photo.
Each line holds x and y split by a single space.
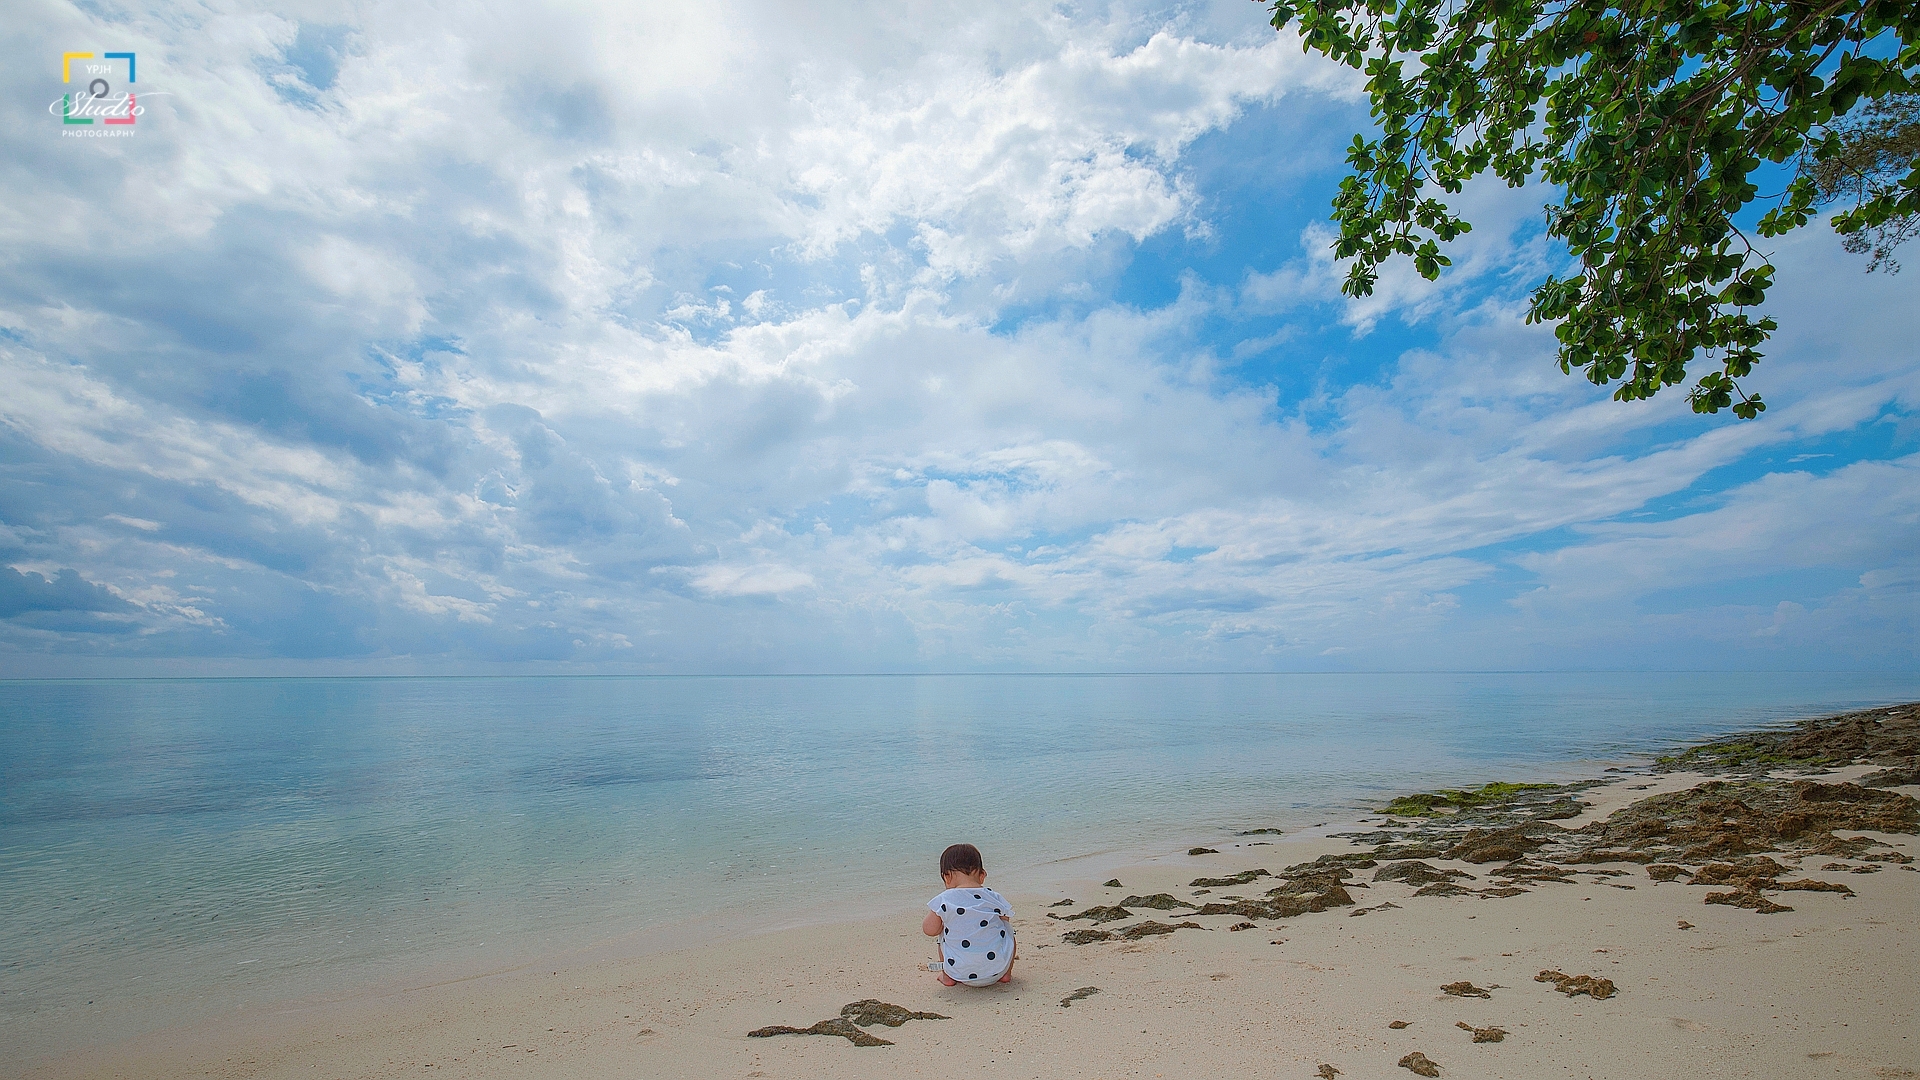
1042 876
768 978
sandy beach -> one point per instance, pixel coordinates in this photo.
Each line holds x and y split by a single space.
1342 956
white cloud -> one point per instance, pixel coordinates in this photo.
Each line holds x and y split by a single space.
759 580
768 336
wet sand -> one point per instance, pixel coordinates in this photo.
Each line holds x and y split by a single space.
1826 989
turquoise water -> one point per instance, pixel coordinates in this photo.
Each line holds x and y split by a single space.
172 848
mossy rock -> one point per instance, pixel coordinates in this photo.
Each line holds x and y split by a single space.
1451 800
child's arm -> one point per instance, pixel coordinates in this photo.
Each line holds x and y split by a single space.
931 925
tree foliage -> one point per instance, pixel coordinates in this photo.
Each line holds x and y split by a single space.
1873 153
1652 118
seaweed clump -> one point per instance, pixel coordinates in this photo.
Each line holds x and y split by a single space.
1503 844
1751 875
870 1011
835 1026
1081 994
1131 933
1527 870
1158 902
1240 878
1356 860
1099 913
1719 820
1417 873
865 1013
1316 890
1597 989
1420 1064
1899 777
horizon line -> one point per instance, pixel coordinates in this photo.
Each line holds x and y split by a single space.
967 674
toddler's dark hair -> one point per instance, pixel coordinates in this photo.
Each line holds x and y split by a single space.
961 859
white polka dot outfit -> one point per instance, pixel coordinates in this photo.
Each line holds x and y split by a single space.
977 945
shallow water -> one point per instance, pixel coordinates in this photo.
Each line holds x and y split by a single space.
175 848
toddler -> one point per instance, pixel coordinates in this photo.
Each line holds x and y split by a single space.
974 923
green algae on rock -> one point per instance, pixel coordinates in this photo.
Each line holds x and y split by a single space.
1203 851
1112 883
1434 803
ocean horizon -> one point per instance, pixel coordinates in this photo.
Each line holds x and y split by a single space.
174 849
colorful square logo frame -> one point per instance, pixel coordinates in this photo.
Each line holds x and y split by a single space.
96 76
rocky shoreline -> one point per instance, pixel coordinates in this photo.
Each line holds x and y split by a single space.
1730 833
1759 819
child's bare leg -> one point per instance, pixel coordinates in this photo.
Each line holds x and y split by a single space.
1008 977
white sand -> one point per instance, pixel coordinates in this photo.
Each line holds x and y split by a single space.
1830 989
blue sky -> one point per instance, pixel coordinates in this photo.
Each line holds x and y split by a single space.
733 337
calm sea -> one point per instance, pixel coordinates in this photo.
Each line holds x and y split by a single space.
172 849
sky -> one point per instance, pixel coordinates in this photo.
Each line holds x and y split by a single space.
765 337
